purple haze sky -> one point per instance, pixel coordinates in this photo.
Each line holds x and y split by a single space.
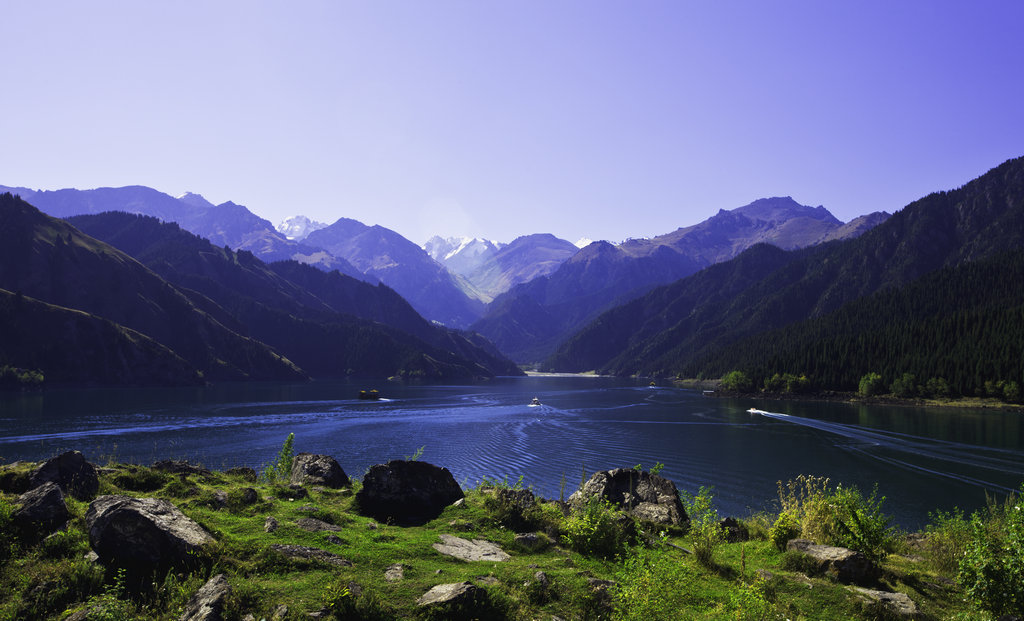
496 119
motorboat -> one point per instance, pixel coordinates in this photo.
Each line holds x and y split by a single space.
535 402
369 395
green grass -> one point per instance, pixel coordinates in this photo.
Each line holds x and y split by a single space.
50 578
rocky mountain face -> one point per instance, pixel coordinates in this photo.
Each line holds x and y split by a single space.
434 292
49 260
676 326
530 320
327 323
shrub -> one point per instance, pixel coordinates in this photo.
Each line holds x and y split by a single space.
838 516
870 385
652 584
599 529
904 386
786 527
947 536
705 532
736 381
281 468
992 568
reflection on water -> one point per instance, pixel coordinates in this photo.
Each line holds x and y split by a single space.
922 460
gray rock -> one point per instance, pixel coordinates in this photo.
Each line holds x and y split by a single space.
899 604
42 509
407 492
542 579
220 499
208 602
143 533
647 496
71 472
270 525
475 550
463 594
842 564
394 573
179 467
529 541
310 554
310 469
249 497
280 612
314 525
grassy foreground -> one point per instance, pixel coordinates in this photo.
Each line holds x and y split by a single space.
592 567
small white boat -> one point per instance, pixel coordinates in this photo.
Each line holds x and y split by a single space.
753 411
535 402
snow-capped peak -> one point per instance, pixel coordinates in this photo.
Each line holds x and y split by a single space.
298 227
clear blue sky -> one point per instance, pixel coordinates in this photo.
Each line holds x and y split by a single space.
603 119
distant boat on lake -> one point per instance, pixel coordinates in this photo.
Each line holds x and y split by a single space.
534 402
369 395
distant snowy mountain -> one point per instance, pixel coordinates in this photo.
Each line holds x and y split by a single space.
583 242
461 255
297 228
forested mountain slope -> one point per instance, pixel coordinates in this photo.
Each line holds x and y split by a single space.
327 323
669 329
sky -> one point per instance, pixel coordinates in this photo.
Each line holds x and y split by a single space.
582 118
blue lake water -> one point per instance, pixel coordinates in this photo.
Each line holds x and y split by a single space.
921 459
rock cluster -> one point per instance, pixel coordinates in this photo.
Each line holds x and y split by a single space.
647 496
310 469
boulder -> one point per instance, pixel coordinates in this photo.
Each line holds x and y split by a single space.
465 595
310 554
71 472
42 509
310 469
407 492
885 605
143 533
270 525
394 573
842 564
208 602
647 496
475 550
174 466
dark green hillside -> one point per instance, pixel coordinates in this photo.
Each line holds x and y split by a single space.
71 346
327 323
963 324
48 259
693 321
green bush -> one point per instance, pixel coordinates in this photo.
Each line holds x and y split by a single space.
786 527
280 470
706 533
870 385
947 536
736 381
599 529
839 516
992 568
652 584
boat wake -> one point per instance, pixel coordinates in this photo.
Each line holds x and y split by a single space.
967 463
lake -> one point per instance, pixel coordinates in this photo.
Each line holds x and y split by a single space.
922 459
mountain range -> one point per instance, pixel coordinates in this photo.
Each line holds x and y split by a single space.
184 303
530 320
950 262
